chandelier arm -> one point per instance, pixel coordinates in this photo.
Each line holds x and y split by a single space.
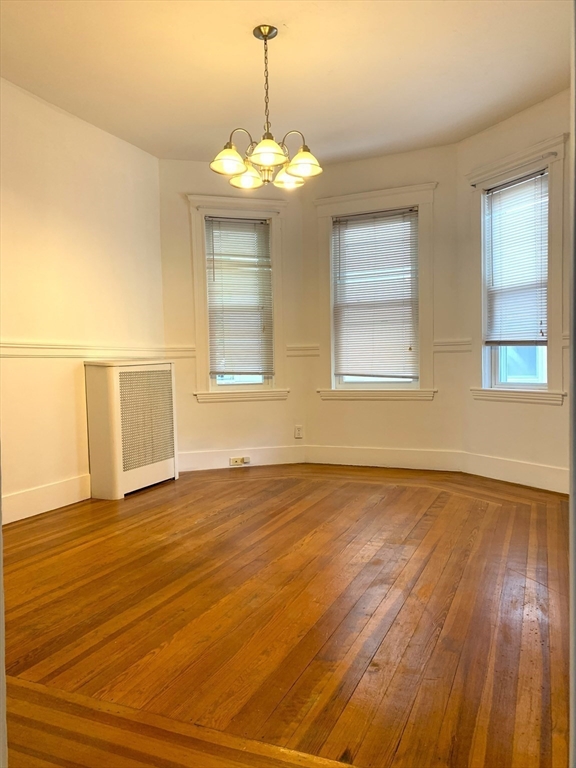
283 142
244 131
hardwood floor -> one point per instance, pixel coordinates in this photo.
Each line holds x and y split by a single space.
298 615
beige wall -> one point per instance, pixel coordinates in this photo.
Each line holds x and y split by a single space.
81 276
97 261
209 433
531 440
511 441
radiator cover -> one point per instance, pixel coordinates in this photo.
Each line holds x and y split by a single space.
131 425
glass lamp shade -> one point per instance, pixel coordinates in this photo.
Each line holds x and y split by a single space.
284 180
303 164
268 154
228 162
250 179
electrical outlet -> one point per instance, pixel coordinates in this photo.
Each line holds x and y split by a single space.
298 431
237 461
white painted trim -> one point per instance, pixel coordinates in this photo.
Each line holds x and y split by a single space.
452 345
537 396
513 163
420 195
364 202
545 476
29 349
245 204
34 501
241 395
509 470
209 205
549 155
190 461
366 456
303 350
377 394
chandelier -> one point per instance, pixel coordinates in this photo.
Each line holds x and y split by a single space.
265 158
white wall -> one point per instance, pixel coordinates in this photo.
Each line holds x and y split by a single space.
209 433
81 277
409 434
510 441
530 441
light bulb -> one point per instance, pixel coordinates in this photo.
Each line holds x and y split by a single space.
303 164
268 153
283 180
228 162
250 179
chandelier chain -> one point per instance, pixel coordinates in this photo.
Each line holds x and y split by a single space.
266 97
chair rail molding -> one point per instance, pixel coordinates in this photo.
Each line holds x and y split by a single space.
60 350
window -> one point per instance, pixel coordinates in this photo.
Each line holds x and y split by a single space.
375 299
240 312
516 283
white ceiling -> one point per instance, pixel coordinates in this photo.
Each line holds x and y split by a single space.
358 77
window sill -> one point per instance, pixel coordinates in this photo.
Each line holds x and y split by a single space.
377 394
242 396
538 396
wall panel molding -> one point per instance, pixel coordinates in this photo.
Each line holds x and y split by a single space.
303 350
452 345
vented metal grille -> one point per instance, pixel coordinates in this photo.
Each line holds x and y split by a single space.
146 417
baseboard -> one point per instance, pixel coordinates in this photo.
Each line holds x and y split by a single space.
544 476
282 454
34 501
364 456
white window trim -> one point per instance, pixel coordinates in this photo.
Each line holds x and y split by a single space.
546 155
257 208
422 196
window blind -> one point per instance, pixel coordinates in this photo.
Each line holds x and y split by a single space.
239 279
375 294
516 262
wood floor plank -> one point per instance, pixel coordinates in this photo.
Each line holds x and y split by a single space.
75 730
292 616
398 684
420 735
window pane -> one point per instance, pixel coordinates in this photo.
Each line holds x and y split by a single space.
522 365
224 379
239 282
375 296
